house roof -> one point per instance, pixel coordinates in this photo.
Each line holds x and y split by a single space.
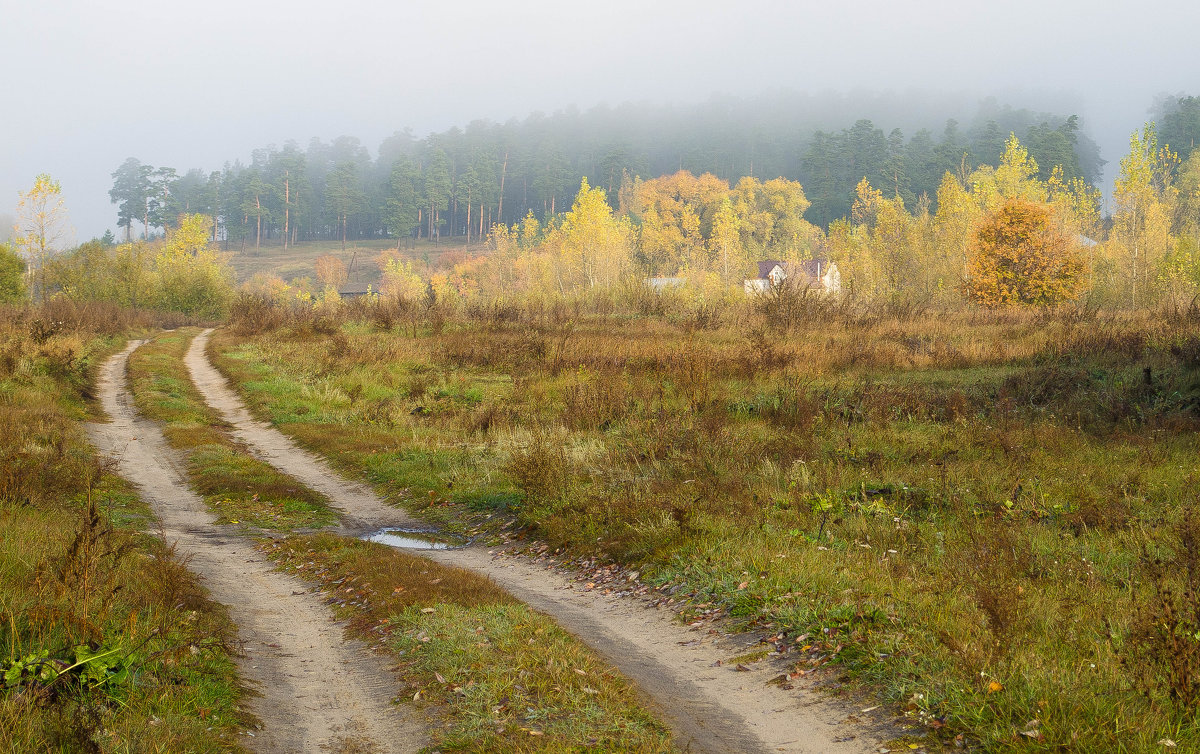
765 267
814 267
810 268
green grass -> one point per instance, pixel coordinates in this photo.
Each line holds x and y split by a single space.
504 677
454 485
962 515
80 577
238 488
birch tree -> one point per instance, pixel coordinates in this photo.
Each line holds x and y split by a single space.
41 225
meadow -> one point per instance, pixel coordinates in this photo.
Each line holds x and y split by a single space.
986 517
360 257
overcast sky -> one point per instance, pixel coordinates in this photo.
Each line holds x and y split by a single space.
89 83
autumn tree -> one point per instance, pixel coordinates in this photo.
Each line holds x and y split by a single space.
82 274
596 246
331 271
1015 177
676 213
399 280
726 243
1019 255
189 276
1144 196
953 227
41 225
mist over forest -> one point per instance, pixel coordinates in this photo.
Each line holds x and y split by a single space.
903 144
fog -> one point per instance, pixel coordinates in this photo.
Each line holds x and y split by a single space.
88 84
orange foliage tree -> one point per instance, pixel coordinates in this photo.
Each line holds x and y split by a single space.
1019 255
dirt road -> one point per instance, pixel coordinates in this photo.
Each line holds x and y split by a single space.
319 692
710 707
362 510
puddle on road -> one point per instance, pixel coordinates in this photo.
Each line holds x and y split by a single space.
408 539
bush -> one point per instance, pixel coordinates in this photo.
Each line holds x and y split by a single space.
12 275
542 471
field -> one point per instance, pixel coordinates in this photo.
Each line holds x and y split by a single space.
359 257
987 518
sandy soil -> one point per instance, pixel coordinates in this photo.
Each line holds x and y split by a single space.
319 693
710 706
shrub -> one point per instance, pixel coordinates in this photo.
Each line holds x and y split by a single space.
542 471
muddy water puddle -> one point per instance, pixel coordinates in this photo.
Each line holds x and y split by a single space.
411 539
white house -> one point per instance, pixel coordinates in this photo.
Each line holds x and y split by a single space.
819 275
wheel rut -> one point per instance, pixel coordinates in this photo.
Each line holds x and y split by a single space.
709 706
316 691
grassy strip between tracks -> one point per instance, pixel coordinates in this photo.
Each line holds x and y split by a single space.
495 674
237 487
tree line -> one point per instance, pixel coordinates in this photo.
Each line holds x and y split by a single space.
1001 235
460 182
1019 231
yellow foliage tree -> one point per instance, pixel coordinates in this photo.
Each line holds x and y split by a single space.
40 226
331 271
399 280
676 213
596 247
725 244
1014 178
954 226
190 276
1019 255
1145 200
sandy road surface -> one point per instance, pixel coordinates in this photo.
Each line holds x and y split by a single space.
320 693
710 708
